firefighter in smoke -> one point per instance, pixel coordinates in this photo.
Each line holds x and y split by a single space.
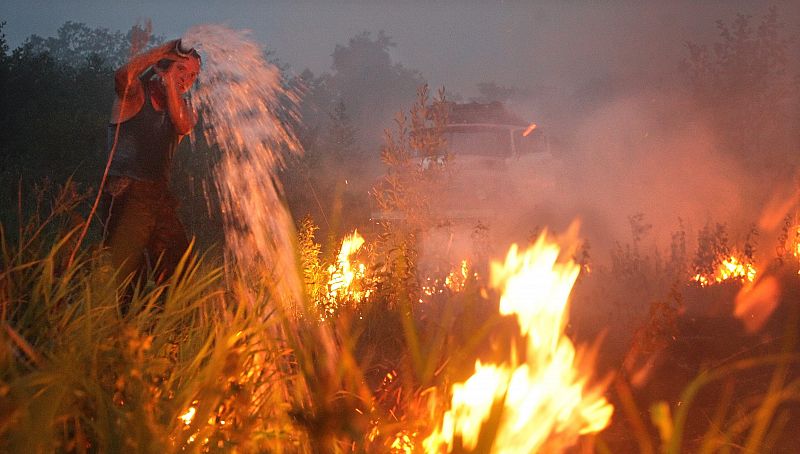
148 120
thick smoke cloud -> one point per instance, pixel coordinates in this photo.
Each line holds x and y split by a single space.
625 159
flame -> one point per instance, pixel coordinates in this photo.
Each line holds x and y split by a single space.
728 269
544 403
794 243
454 282
403 443
188 416
345 272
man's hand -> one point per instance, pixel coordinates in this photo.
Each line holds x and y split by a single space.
178 79
130 93
127 77
170 75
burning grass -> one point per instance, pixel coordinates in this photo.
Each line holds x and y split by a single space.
387 359
540 404
201 364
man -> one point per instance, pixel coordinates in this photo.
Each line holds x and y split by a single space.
148 121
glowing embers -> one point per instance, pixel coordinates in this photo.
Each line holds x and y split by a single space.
796 243
215 422
544 403
347 275
730 268
455 281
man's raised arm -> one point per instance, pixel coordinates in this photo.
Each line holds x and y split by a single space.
126 79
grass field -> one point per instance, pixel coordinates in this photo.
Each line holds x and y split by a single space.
209 362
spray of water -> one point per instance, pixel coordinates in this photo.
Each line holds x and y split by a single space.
246 110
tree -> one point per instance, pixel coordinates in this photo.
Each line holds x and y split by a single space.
3 61
56 97
369 84
3 42
409 191
745 86
327 183
343 113
54 115
75 43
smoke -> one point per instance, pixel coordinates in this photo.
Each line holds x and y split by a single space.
628 158
647 152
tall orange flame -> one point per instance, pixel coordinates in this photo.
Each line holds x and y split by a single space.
345 272
544 403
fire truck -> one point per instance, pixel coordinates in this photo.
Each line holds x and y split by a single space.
493 158
496 163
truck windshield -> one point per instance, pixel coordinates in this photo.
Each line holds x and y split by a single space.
479 142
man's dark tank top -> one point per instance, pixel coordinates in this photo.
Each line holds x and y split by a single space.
146 144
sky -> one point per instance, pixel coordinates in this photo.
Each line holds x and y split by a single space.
455 43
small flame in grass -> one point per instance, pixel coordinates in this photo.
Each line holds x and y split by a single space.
214 420
346 271
794 243
529 130
403 443
188 416
454 282
730 268
545 403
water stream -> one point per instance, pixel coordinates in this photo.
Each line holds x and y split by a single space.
246 111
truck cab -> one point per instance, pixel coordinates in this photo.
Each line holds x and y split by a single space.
494 156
